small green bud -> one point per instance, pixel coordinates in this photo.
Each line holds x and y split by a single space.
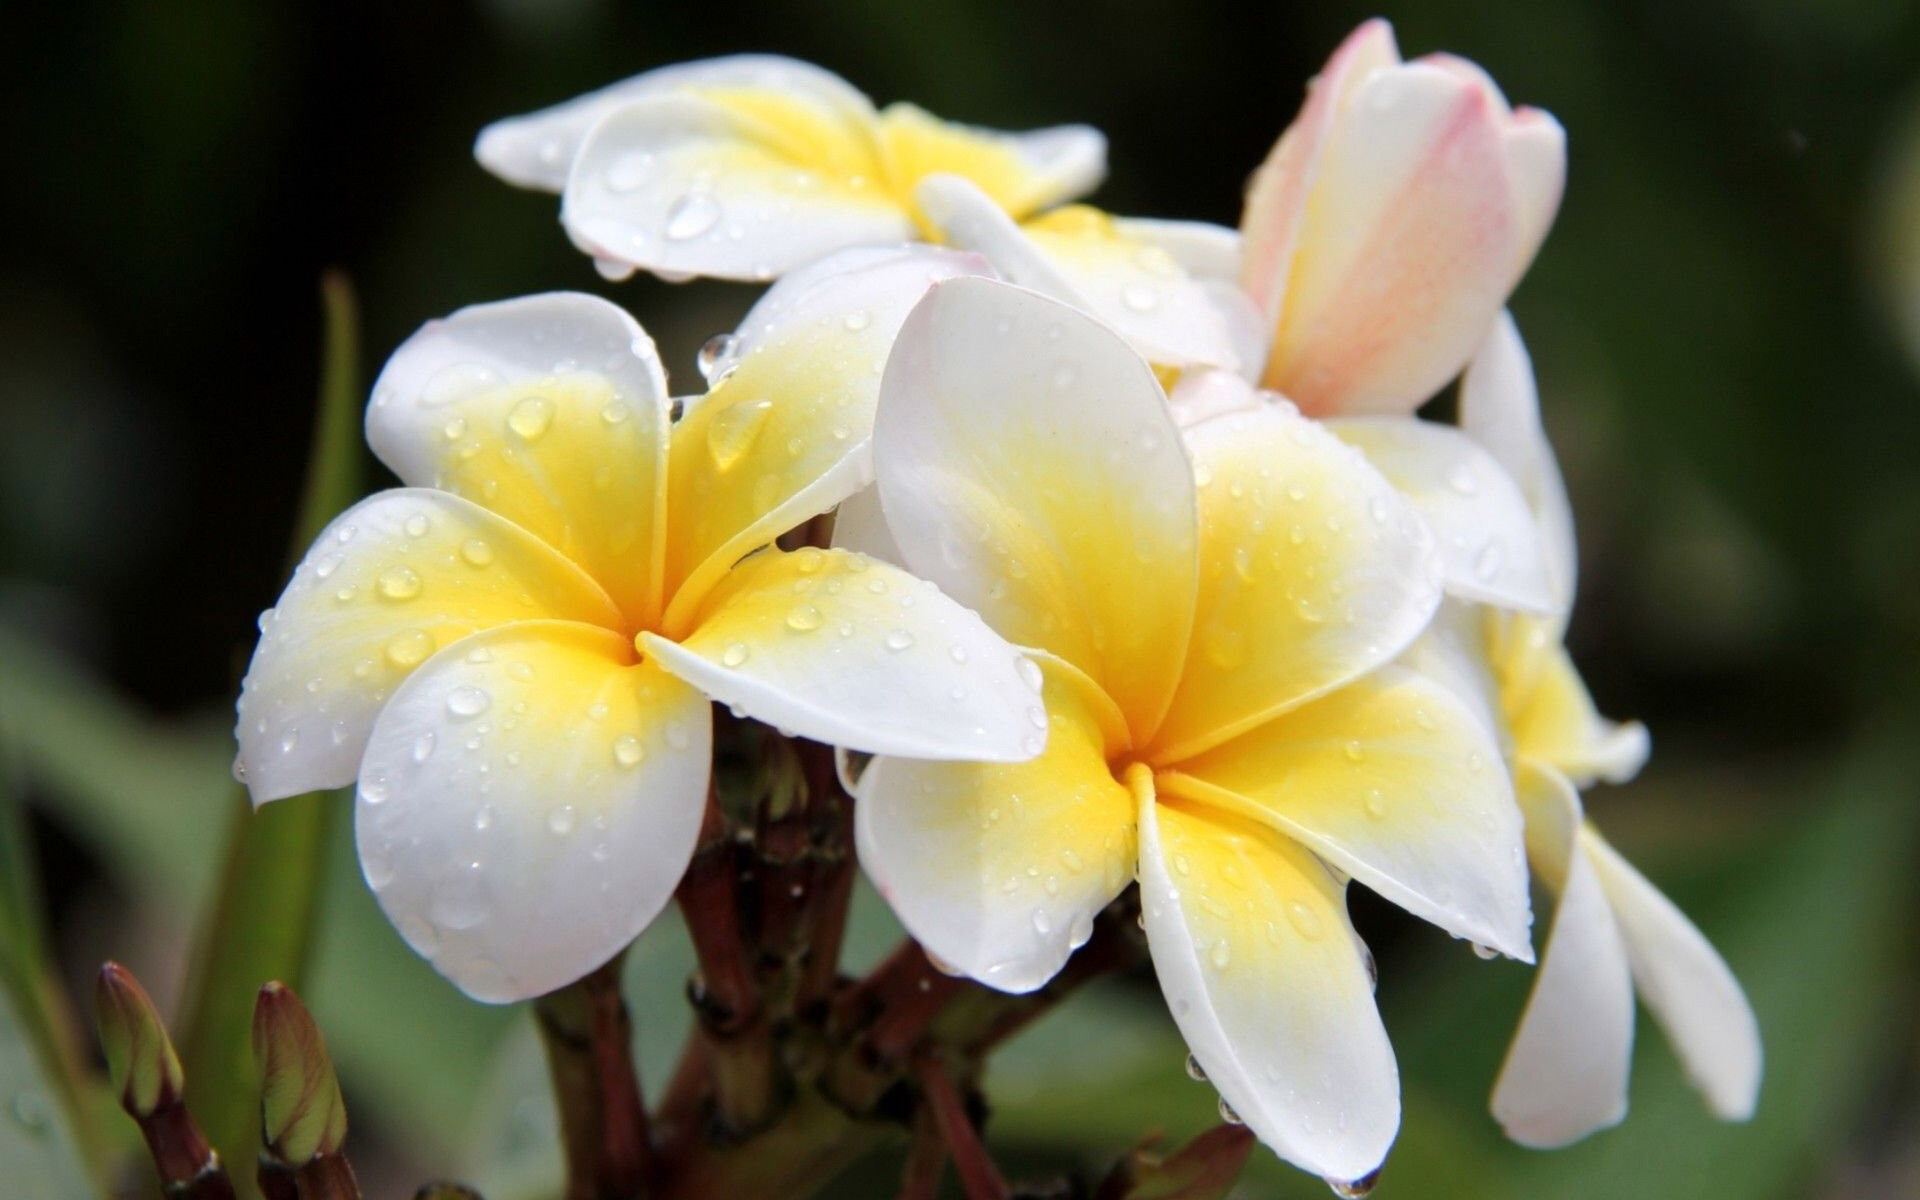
140 1057
301 1113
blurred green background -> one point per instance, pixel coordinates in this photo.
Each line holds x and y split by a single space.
1726 322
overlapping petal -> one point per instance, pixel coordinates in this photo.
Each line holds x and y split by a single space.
1391 222
1551 717
1269 985
537 150
748 167
1313 571
1483 524
839 648
1028 464
1565 1074
785 433
1022 172
550 410
1082 257
1500 409
999 869
387 583
1686 984
528 802
1396 782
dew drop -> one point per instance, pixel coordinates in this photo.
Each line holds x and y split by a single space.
1195 1071
1042 923
716 357
398 583
476 553
531 417
899 639
615 413
1030 674
408 649
1484 953
1220 955
560 820
627 750
1304 920
467 701
1227 1114
423 747
417 525
734 655
1140 297
804 618
1353 1189
692 215
733 430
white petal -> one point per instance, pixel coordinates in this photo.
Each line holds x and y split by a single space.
388 582
1452 652
1479 517
785 432
1082 259
999 869
1269 985
1396 782
1206 392
1028 464
1687 984
550 410
1565 1075
537 150
860 525
856 653
1207 251
683 185
529 800
1500 409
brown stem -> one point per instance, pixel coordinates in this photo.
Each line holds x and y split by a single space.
189 1167
725 993
979 1178
603 1122
831 813
926 1156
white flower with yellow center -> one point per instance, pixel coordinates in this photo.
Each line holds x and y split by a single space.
749 166
1565 1075
514 652
1215 616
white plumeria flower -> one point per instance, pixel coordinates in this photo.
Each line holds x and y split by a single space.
1213 616
1565 1075
747 167
514 652
1390 223
1165 286
1483 522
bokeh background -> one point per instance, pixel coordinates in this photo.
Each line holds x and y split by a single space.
1726 322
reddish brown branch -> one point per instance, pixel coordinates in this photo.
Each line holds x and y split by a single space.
979 1178
725 993
926 1157
603 1121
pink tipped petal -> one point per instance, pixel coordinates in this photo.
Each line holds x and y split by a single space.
1406 251
1277 194
1537 170
1686 983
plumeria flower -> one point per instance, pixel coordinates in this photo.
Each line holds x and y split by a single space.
515 651
1565 1075
747 167
1390 222
1215 617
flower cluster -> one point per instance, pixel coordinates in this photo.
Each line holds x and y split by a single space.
1142 568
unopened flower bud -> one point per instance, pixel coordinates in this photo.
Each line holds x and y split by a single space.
140 1057
301 1113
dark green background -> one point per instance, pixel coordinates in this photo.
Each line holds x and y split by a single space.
1712 319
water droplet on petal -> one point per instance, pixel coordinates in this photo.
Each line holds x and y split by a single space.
408 649
476 553
1484 953
531 417
899 639
1195 1071
627 751
398 583
417 525
692 215
423 747
733 430
804 618
734 655
1354 1189
467 701
560 820
1227 1114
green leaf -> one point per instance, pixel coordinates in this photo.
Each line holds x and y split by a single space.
38 1146
261 921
